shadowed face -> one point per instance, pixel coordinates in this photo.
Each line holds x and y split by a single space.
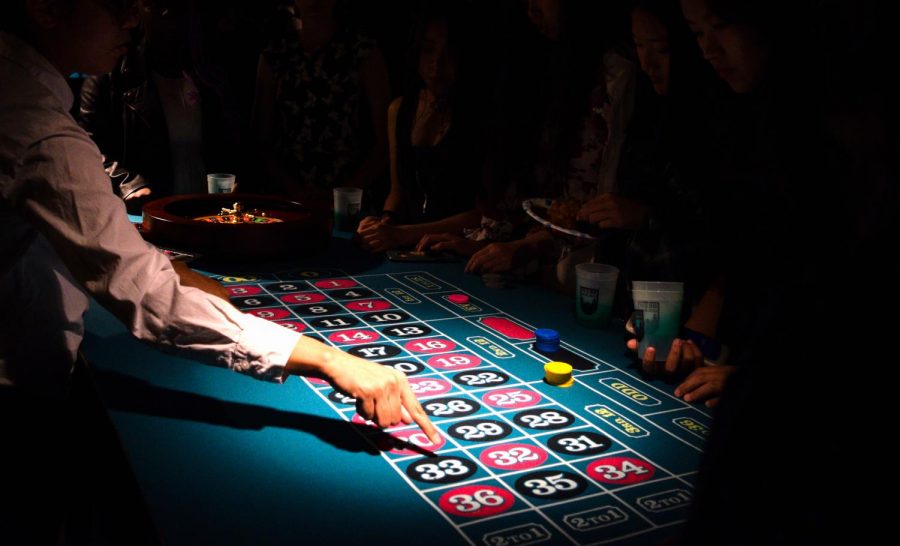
544 15
89 38
735 51
651 40
313 8
437 64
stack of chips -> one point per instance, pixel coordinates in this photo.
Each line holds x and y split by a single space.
558 374
546 340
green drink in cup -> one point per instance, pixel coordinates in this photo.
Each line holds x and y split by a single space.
660 305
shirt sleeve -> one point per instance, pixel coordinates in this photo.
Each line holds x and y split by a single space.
620 77
67 196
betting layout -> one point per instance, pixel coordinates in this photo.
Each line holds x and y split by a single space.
610 459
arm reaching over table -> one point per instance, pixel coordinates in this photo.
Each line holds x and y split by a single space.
382 393
381 235
452 242
189 277
503 257
67 238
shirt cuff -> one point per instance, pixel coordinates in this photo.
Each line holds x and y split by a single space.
263 349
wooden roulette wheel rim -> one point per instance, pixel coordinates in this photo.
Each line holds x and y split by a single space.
172 222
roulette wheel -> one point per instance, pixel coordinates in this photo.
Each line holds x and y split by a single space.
237 225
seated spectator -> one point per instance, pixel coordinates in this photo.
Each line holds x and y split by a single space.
664 191
563 103
436 167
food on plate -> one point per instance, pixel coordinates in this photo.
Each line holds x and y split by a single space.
562 213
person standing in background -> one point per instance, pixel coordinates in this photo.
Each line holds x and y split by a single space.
165 116
322 93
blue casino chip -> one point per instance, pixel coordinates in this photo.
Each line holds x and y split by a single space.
546 340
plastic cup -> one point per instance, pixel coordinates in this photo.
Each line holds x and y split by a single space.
220 183
347 202
595 289
657 308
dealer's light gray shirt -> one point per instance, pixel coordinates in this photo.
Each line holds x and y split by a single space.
64 235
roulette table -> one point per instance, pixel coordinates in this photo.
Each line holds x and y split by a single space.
221 459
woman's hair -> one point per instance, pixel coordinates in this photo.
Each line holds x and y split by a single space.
441 12
688 71
756 13
466 98
589 30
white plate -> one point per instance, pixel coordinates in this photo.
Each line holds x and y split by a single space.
531 207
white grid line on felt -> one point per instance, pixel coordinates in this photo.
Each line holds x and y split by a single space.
468 449
527 435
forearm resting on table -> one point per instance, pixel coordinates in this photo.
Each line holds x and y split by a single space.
451 224
410 234
539 242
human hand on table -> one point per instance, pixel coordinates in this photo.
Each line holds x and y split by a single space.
611 210
684 355
371 221
498 257
449 241
135 200
381 236
705 383
143 192
382 393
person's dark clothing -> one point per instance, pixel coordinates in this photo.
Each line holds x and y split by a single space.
810 297
321 129
664 164
437 181
123 114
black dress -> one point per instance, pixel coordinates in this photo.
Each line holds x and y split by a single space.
437 181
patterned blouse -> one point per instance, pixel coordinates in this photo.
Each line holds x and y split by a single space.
318 100
591 168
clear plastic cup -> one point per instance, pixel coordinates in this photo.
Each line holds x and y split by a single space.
347 203
657 308
595 290
220 183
